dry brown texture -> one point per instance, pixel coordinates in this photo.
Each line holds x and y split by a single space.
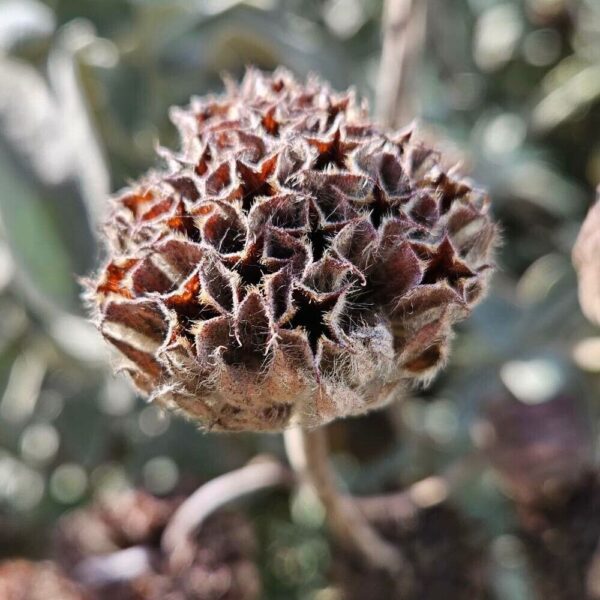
441 548
541 450
24 580
544 455
218 565
293 263
113 523
221 568
586 255
561 540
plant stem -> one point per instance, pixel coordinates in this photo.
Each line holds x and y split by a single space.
308 453
425 493
403 34
188 518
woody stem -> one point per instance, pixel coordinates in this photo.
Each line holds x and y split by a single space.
308 453
403 35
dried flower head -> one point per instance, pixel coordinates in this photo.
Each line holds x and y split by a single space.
585 258
114 547
541 451
221 567
293 263
441 546
24 580
112 523
562 541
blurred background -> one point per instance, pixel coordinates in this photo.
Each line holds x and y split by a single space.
512 87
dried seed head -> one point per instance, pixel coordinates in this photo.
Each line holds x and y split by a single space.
112 523
541 451
24 580
93 544
442 548
585 258
562 541
293 263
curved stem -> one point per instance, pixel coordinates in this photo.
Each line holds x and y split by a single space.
177 538
308 453
188 518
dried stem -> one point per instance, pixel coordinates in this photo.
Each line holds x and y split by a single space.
403 35
177 538
308 453
213 495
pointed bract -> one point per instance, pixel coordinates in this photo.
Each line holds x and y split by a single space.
292 263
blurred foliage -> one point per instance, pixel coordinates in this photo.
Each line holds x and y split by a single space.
511 88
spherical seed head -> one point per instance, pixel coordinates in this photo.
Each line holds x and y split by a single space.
293 263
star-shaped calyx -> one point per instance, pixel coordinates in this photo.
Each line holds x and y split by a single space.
292 263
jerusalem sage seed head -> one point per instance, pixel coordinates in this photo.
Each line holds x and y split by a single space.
292 263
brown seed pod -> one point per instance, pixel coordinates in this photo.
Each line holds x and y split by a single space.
112 523
113 547
440 546
541 451
24 580
293 262
562 541
585 259
544 455
221 567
